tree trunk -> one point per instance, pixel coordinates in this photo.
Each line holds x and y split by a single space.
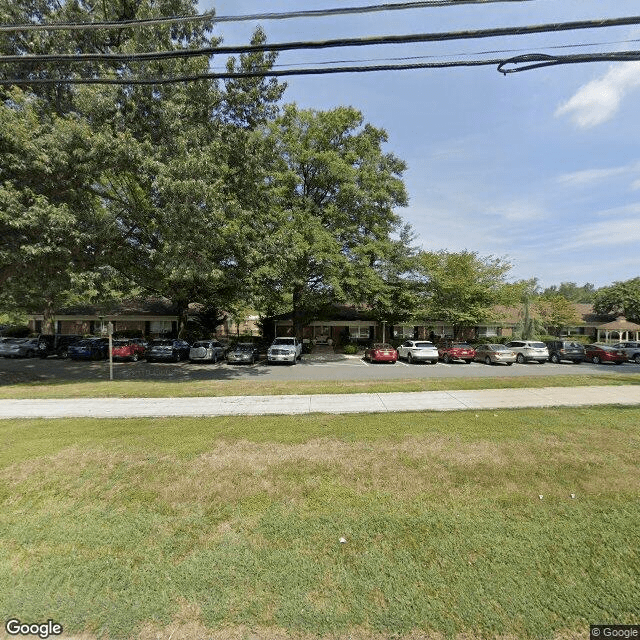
48 318
183 315
298 312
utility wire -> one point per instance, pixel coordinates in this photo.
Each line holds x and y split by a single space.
461 54
316 13
326 44
530 61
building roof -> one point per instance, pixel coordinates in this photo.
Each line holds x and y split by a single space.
620 324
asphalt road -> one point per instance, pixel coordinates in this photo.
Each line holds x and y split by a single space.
318 367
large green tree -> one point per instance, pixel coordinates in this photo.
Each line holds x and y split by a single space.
463 288
556 312
159 185
332 231
620 298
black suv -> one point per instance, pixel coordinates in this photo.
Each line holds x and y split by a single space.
565 350
55 345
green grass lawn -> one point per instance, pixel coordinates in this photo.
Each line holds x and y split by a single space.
190 388
229 527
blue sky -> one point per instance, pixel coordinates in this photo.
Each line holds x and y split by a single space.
540 167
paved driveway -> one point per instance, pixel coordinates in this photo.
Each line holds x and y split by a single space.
311 367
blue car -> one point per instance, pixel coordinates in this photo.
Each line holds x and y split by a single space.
89 349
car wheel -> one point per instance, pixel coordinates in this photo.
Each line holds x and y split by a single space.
446 359
509 364
409 358
595 359
487 360
31 354
134 357
64 354
636 358
619 362
468 361
520 359
555 359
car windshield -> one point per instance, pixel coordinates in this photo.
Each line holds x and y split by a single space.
202 343
382 345
538 345
424 345
499 347
461 345
162 343
121 343
288 341
244 347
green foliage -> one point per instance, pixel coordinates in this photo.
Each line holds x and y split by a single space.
350 349
462 288
621 298
572 292
333 195
556 312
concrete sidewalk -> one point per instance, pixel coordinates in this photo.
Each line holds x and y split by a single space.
303 404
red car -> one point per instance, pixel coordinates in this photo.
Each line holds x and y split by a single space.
598 353
381 352
451 351
127 350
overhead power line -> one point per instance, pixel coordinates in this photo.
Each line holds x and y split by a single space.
286 15
529 61
326 44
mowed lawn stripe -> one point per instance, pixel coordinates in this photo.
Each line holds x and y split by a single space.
214 388
187 527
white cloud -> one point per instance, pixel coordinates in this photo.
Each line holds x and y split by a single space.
597 101
607 233
589 176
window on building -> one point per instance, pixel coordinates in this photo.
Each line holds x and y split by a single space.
160 326
404 331
359 332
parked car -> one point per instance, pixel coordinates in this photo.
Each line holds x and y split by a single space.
418 351
206 351
19 348
529 351
565 350
632 349
124 349
89 349
243 352
598 353
450 351
381 352
167 349
285 349
495 354
56 344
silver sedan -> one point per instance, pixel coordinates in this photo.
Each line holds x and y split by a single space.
495 354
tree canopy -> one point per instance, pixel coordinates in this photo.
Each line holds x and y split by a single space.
334 232
621 298
463 288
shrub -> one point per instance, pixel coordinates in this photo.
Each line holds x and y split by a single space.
350 349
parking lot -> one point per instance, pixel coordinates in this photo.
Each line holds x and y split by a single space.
310 367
